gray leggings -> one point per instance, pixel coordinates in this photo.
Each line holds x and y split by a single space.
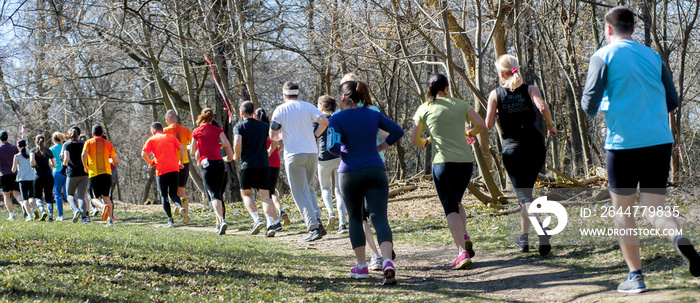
76 187
301 169
370 185
326 171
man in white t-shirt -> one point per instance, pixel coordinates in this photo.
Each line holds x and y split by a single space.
294 120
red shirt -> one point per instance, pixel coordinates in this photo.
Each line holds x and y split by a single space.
208 143
166 150
275 156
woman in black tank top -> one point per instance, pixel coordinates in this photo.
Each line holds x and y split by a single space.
523 146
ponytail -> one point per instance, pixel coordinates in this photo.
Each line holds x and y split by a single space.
205 117
22 144
355 92
508 65
261 115
58 138
436 83
74 133
40 141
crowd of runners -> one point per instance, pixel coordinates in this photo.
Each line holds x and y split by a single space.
340 141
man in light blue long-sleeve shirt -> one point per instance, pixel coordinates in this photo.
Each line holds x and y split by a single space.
630 85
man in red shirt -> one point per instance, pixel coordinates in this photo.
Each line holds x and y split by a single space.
168 153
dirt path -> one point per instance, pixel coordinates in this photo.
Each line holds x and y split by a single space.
494 275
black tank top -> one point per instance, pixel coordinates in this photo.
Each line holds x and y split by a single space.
516 112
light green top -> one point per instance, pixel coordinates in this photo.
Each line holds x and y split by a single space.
445 120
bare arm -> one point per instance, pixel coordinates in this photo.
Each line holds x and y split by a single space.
237 145
148 159
14 164
491 110
66 157
32 159
227 147
272 148
193 147
115 159
275 134
477 121
84 157
322 124
183 153
544 109
52 162
416 140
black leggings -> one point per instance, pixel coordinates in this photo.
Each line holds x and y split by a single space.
43 188
27 189
167 186
523 160
370 184
451 180
213 177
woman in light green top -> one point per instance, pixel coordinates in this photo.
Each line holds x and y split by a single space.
452 157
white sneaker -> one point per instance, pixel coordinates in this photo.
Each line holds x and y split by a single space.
60 218
11 217
375 263
28 219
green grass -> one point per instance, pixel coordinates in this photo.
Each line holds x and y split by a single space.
136 262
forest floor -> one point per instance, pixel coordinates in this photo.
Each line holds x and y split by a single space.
136 261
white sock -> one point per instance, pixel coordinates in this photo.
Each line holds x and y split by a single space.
276 222
377 256
255 216
270 220
361 266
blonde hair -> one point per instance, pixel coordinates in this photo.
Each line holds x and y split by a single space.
58 137
349 77
508 65
206 116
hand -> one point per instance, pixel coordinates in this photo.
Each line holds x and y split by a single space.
181 166
553 131
235 157
152 164
468 132
427 141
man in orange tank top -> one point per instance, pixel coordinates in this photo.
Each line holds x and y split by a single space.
97 155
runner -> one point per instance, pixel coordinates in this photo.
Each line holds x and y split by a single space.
8 179
25 177
207 141
328 171
97 153
59 173
168 154
43 162
273 153
362 172
630 85
523 146
452 158
293 120
184 135
77 178
375 262
249 145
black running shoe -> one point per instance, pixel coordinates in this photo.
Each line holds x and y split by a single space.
321 228
689 254
545 247
270 231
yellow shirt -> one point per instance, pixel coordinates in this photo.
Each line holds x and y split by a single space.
99 151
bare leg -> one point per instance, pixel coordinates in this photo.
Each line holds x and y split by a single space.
108 201
268 206
457 229
8 201
360 255
248 201
218 211
661 222
369 239
629 244
387 248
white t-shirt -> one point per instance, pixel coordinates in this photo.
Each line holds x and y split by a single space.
296 118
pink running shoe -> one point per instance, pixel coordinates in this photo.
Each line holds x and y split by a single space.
360 273
389 273
469 246
462 261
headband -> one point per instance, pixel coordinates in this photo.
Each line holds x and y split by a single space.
291 92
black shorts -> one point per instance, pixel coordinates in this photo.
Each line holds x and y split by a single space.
274 178
647 167
27 189
100 185
9 183
258 178
183 175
